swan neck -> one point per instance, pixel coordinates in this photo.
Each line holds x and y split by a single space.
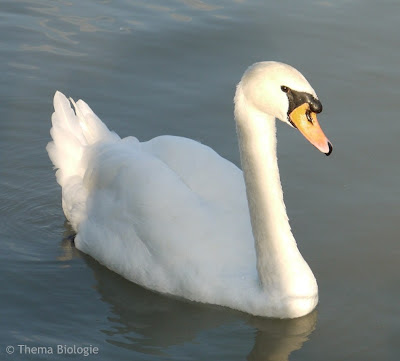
278 258
257 144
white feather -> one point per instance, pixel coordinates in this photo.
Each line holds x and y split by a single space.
172 215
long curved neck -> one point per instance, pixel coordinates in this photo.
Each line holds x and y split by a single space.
278 258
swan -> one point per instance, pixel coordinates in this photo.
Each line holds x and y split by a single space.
172 215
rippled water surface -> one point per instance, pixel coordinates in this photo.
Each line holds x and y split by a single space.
170 67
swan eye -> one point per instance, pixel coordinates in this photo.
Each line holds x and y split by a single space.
284 88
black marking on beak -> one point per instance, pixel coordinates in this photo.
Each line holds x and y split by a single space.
330 149
308 115
297 98
290 121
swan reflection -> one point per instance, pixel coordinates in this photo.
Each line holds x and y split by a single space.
150 323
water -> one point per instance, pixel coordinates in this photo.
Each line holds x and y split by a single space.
155 67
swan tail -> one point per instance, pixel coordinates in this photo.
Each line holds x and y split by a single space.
73 133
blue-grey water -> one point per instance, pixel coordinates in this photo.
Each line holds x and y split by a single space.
170 67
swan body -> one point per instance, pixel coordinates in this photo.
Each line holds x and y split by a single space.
172 215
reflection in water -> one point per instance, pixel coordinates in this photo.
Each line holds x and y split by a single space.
277 339
68 250
149 323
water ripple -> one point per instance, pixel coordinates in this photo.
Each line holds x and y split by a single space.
50 49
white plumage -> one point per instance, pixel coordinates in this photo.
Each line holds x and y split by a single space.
172 215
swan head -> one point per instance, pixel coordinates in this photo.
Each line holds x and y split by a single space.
282 92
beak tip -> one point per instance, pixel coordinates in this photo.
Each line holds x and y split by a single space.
330 149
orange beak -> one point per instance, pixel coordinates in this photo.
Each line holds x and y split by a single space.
306 122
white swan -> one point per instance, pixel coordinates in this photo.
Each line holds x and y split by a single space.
172 215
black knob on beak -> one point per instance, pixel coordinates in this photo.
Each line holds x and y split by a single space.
315 105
